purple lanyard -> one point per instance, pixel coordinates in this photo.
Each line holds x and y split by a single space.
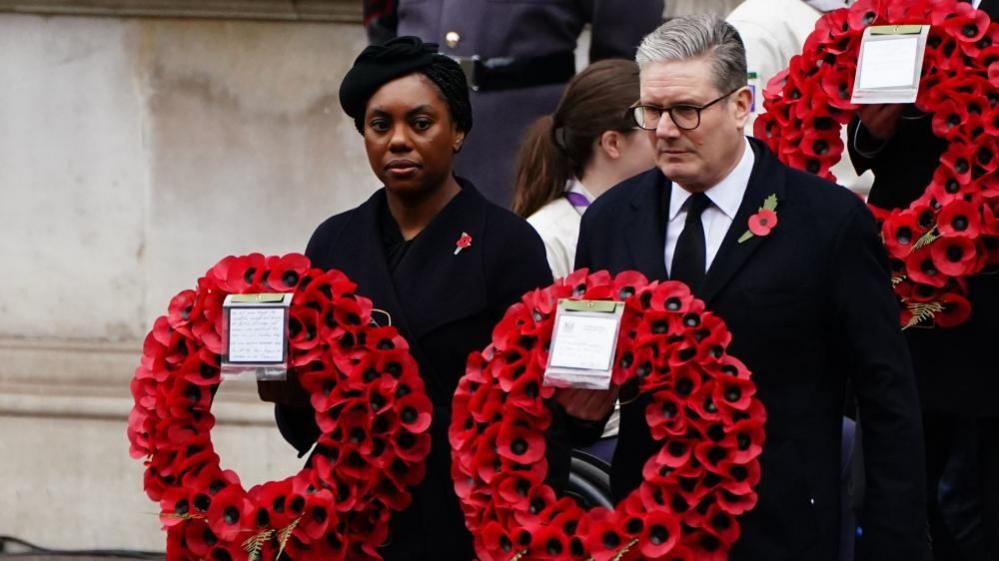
577 200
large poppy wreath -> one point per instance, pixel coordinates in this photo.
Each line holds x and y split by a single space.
370 407
951 232
702 408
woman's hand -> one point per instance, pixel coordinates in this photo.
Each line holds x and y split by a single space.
588 405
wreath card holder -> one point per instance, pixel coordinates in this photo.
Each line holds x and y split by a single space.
583 344
890 64
255 335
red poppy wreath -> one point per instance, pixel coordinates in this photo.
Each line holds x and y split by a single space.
370 406
951 232
702 408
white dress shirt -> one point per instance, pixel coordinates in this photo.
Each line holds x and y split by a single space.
717 218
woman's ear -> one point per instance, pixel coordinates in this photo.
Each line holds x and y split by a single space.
611 143
459 141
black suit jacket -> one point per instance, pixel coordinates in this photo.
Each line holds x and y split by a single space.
445 305
955 373
809 306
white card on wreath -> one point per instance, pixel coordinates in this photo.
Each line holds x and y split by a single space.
584 341
890 64
255 335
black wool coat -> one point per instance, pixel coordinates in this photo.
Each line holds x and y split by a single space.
809 306
445 305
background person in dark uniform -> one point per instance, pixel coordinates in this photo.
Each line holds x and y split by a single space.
412 107
808 303
956 372
524 53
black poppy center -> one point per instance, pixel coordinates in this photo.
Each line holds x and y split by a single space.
611 540
408 415
519 446
230 515
658 534
289 278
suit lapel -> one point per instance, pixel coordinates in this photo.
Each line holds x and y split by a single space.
646 236
767 179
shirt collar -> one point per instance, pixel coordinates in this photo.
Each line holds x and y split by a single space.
726 194
575 186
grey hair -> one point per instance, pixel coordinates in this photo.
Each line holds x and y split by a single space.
699 36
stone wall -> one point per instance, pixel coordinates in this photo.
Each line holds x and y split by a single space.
134 153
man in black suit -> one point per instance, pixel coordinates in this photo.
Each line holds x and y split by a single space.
955 371
808 301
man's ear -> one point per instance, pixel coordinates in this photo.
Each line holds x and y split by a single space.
611 143
742 105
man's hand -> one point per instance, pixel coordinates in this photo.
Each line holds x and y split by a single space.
881 121
588 405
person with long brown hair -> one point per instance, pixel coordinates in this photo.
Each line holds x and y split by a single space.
588 145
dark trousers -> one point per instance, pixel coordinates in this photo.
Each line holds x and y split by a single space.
962 468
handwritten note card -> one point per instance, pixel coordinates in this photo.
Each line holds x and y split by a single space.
256 335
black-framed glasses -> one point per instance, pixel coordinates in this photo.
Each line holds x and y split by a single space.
685 117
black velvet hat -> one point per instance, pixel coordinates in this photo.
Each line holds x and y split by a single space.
379 64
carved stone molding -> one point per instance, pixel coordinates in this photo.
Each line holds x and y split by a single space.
341 11
90 380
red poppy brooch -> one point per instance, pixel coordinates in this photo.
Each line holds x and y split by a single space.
464 242
702 410
370 404
761 223
951 232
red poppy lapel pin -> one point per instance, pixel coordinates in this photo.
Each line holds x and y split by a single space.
763 221
463 242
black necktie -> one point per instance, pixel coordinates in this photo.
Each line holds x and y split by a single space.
691 250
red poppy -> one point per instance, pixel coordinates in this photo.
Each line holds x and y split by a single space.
519 443
900 232
734 392
914 10
954 256
948 118
956 310
865 13
414 412
761 223
199 538
959 219
242 274
230 514
286 272
961 21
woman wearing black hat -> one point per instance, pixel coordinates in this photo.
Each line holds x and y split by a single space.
402 249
